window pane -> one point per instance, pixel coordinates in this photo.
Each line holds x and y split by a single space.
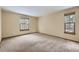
66 19
72 18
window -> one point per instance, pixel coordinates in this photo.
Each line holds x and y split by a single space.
24 23
69 23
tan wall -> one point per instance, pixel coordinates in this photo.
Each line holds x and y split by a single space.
53 24
0 24
10 24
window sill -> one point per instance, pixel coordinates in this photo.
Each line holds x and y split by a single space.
69 33
25 30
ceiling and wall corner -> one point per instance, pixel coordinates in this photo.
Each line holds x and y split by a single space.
36 11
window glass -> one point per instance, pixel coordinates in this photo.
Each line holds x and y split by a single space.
69 23
24 24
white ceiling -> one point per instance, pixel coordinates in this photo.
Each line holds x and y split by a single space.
35 10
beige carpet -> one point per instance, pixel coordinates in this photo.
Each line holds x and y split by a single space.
38 43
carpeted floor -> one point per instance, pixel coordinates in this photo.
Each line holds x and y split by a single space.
38 43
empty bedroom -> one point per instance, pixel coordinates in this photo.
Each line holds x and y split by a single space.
39 29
